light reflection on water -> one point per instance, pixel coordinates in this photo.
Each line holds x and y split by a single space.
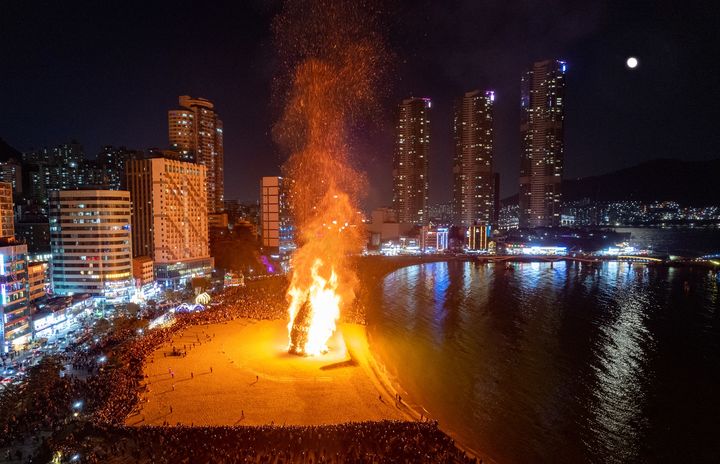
561 362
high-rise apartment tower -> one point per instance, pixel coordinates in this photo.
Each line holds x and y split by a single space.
410 161
170 218
196 131
542 130
473 187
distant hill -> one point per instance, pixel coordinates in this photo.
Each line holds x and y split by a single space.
687 182
7 152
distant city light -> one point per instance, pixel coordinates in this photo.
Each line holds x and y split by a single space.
632 62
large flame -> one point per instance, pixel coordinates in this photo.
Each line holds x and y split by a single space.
332 60
323 304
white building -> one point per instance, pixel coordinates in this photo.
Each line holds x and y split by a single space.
170 218
90 242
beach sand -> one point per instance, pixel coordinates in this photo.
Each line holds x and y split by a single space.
254 381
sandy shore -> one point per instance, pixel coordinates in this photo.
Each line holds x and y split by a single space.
255 382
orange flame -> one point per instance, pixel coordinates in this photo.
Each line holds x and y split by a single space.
324 302
333 59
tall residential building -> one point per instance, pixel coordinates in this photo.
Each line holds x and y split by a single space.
542 130
90 242
473 163
36 280
277 231
65 167
34 231
7 218
111 163
196 131
170 218
410 161
11 172
15 305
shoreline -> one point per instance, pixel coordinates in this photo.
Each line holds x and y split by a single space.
412 410
376 269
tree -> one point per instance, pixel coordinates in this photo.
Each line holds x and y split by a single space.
239 252
133 309
102 325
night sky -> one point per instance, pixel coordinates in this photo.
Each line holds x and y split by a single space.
106 72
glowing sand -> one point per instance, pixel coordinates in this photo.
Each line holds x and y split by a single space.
286 390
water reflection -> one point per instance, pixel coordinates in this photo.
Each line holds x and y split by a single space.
561 363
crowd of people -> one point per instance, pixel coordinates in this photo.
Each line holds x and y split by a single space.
80 402
359 442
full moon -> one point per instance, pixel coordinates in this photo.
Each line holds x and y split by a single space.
632 62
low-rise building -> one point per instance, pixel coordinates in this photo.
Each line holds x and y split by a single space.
218 220
433 239
479 237
58 313
385 227
143 271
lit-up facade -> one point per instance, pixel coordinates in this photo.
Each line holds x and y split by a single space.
7 218
479 237
36 280
90 242
542 132
170 218
433 239
534 250
196 131
410 161
473 189
15 307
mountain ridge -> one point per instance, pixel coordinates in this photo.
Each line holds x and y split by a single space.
663 179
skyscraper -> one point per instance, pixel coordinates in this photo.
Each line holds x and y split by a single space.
90 243
410 161
196 131
170 218
473 163
541 127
